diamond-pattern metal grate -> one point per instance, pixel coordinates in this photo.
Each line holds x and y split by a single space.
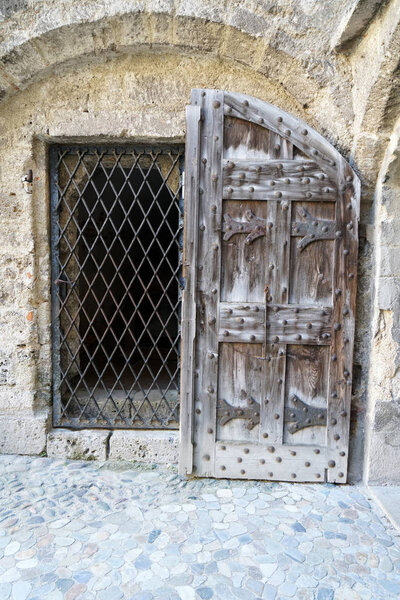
117 221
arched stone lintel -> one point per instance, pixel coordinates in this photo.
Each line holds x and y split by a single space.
40 44
136 32
311 94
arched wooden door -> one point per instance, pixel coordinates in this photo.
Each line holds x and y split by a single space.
271 214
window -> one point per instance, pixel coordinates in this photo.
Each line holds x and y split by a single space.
117 221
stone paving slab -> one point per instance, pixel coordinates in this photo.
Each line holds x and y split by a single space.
388 498
88 530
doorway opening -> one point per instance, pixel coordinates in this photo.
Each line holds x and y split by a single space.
117 224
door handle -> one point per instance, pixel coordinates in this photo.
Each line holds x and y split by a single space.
60 281
62 284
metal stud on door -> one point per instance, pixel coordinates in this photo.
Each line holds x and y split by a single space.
273 284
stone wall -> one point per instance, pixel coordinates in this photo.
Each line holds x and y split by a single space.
90 69
383 416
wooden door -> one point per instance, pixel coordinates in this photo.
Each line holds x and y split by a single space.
271 214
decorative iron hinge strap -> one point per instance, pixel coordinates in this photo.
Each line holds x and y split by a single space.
254 226
226 412
303 415
312 229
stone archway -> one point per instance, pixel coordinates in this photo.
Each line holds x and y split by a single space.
126 98
383 423
56 41
110 72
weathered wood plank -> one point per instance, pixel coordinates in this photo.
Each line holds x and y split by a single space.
286 125
277 292
290 324
239 383
242 262
245 322
272 414
191 215
245 140
242 322
208 282
277 179
307 376
344 296
311 267
279 147
244 460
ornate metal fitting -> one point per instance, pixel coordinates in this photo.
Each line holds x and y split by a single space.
312 229
27 182
303 415
254 226
251 412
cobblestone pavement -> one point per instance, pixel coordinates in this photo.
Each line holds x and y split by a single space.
79 530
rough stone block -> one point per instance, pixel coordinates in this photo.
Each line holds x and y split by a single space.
86 444
23 435
145 446
132 30
384 459
237 46
16 400
6 373
21 62
388 292
390 232
390 261
205 35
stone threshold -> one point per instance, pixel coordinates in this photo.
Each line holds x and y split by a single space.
388 499
147 446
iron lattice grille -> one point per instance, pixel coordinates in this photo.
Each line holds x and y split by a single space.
117 221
